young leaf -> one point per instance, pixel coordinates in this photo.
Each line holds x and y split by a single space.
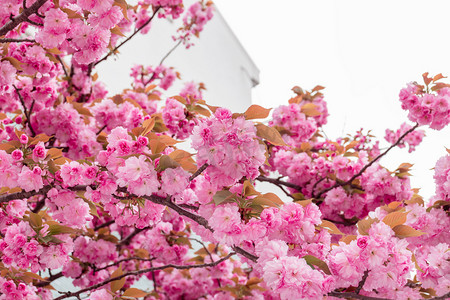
269 134
134 293
117 284
395 218
404 231
331 227
256 112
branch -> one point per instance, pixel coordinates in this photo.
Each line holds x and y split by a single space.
122 260
279 182
370 163
154 198
49 279
362 282
23 195
138 272
246 254
198 172
63 65
127 240
17 40
354 296
170 52
128 38
23 17
106 224
161 62
163 201
27 113
43 191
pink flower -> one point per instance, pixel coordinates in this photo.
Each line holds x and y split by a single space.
39 152
7 73
174 181
30 180
17 154
100 295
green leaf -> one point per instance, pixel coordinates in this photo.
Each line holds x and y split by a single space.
222 196
55 229
166 162
312 260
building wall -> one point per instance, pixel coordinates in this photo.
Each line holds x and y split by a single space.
217 59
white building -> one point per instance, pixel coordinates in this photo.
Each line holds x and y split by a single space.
217 59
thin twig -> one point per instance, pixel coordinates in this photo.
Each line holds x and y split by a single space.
279 182
100 130
198 172
162 60
27 113
63 65
138 272
49 279
128 38
123 260
354 296
34 23
127 239
106 224
170 52
370 163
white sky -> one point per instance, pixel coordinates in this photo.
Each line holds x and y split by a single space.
362 52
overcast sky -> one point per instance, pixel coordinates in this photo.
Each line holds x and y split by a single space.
362 52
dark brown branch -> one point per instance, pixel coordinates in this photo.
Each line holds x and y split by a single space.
362 282
246 254
138 272
370 163
123 260
49 279
34 23
154 198
27 113
128 38
39 206
106 224
198 172
100 130
354 296
23 195
23 17
127 239
43 191
17 41
63 65
278 182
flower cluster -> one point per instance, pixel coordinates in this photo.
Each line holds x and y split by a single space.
413 139
229 146
175 118
426 108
